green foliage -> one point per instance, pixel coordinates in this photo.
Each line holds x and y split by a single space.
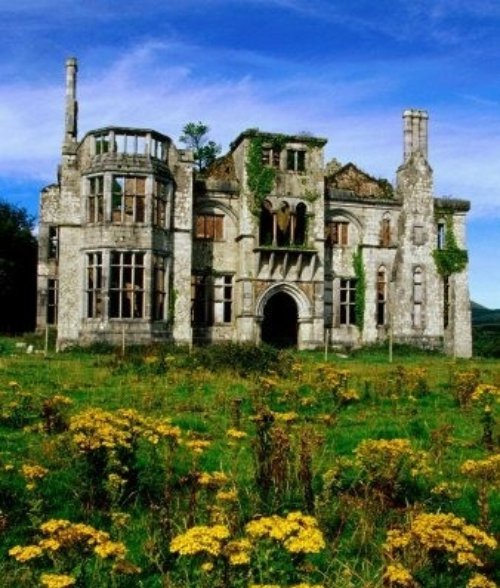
194 136
359 272
243 358
18 259
279 440
260 178
451 259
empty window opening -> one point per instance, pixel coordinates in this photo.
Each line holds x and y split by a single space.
385 232
211 299
347 302
53 249
266 227
295 160
128 199
126 295
300 228
337 233
102 143
441 236
381 297
271 157
52 296
159 287
95 201
94 285
162 194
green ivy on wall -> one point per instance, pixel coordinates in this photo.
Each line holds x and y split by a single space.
260 178
359 272
451 259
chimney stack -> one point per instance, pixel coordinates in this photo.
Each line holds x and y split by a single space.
415 132
71 115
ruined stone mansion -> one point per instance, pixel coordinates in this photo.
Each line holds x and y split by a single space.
267 244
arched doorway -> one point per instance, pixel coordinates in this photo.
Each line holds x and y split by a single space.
279 325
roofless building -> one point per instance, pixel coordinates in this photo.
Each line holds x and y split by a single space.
267 244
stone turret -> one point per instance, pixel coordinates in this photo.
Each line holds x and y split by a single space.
415 133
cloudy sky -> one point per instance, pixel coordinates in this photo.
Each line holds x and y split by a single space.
342 69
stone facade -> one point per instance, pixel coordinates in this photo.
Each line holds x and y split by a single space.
267 244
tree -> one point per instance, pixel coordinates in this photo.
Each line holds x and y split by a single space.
18 261
194 136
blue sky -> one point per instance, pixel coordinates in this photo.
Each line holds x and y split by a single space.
344 70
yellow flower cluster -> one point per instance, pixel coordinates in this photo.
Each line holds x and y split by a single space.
486 392
480 581
238 552
198 445
212 479
298 533
32 473
57 580
200 539
235 434
227 495
285 417
62 535
23 554
302 585
96 428
485 470
397 576
383 460
444 533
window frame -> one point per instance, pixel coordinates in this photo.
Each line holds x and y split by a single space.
347 302
127 299
94 285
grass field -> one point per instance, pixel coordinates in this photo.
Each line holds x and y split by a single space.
242 466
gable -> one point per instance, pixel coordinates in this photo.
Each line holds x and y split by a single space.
350 180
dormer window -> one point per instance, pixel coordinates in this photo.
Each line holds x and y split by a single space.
295 160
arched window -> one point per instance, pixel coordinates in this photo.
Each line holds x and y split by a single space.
284 217
266 229
300 224
381 297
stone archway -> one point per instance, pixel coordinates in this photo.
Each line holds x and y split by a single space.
280 321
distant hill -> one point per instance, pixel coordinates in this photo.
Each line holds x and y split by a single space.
485 330
484 316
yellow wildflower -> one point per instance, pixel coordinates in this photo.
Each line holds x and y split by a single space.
236 434
212 479
480 581
200 539
110 549
397 575
298 533
22 554
57 580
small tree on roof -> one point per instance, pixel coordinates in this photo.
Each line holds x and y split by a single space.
194 136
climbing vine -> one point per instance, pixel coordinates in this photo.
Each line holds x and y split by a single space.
261 178
451 259
359 272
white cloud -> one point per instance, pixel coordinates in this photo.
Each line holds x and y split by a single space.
158 84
